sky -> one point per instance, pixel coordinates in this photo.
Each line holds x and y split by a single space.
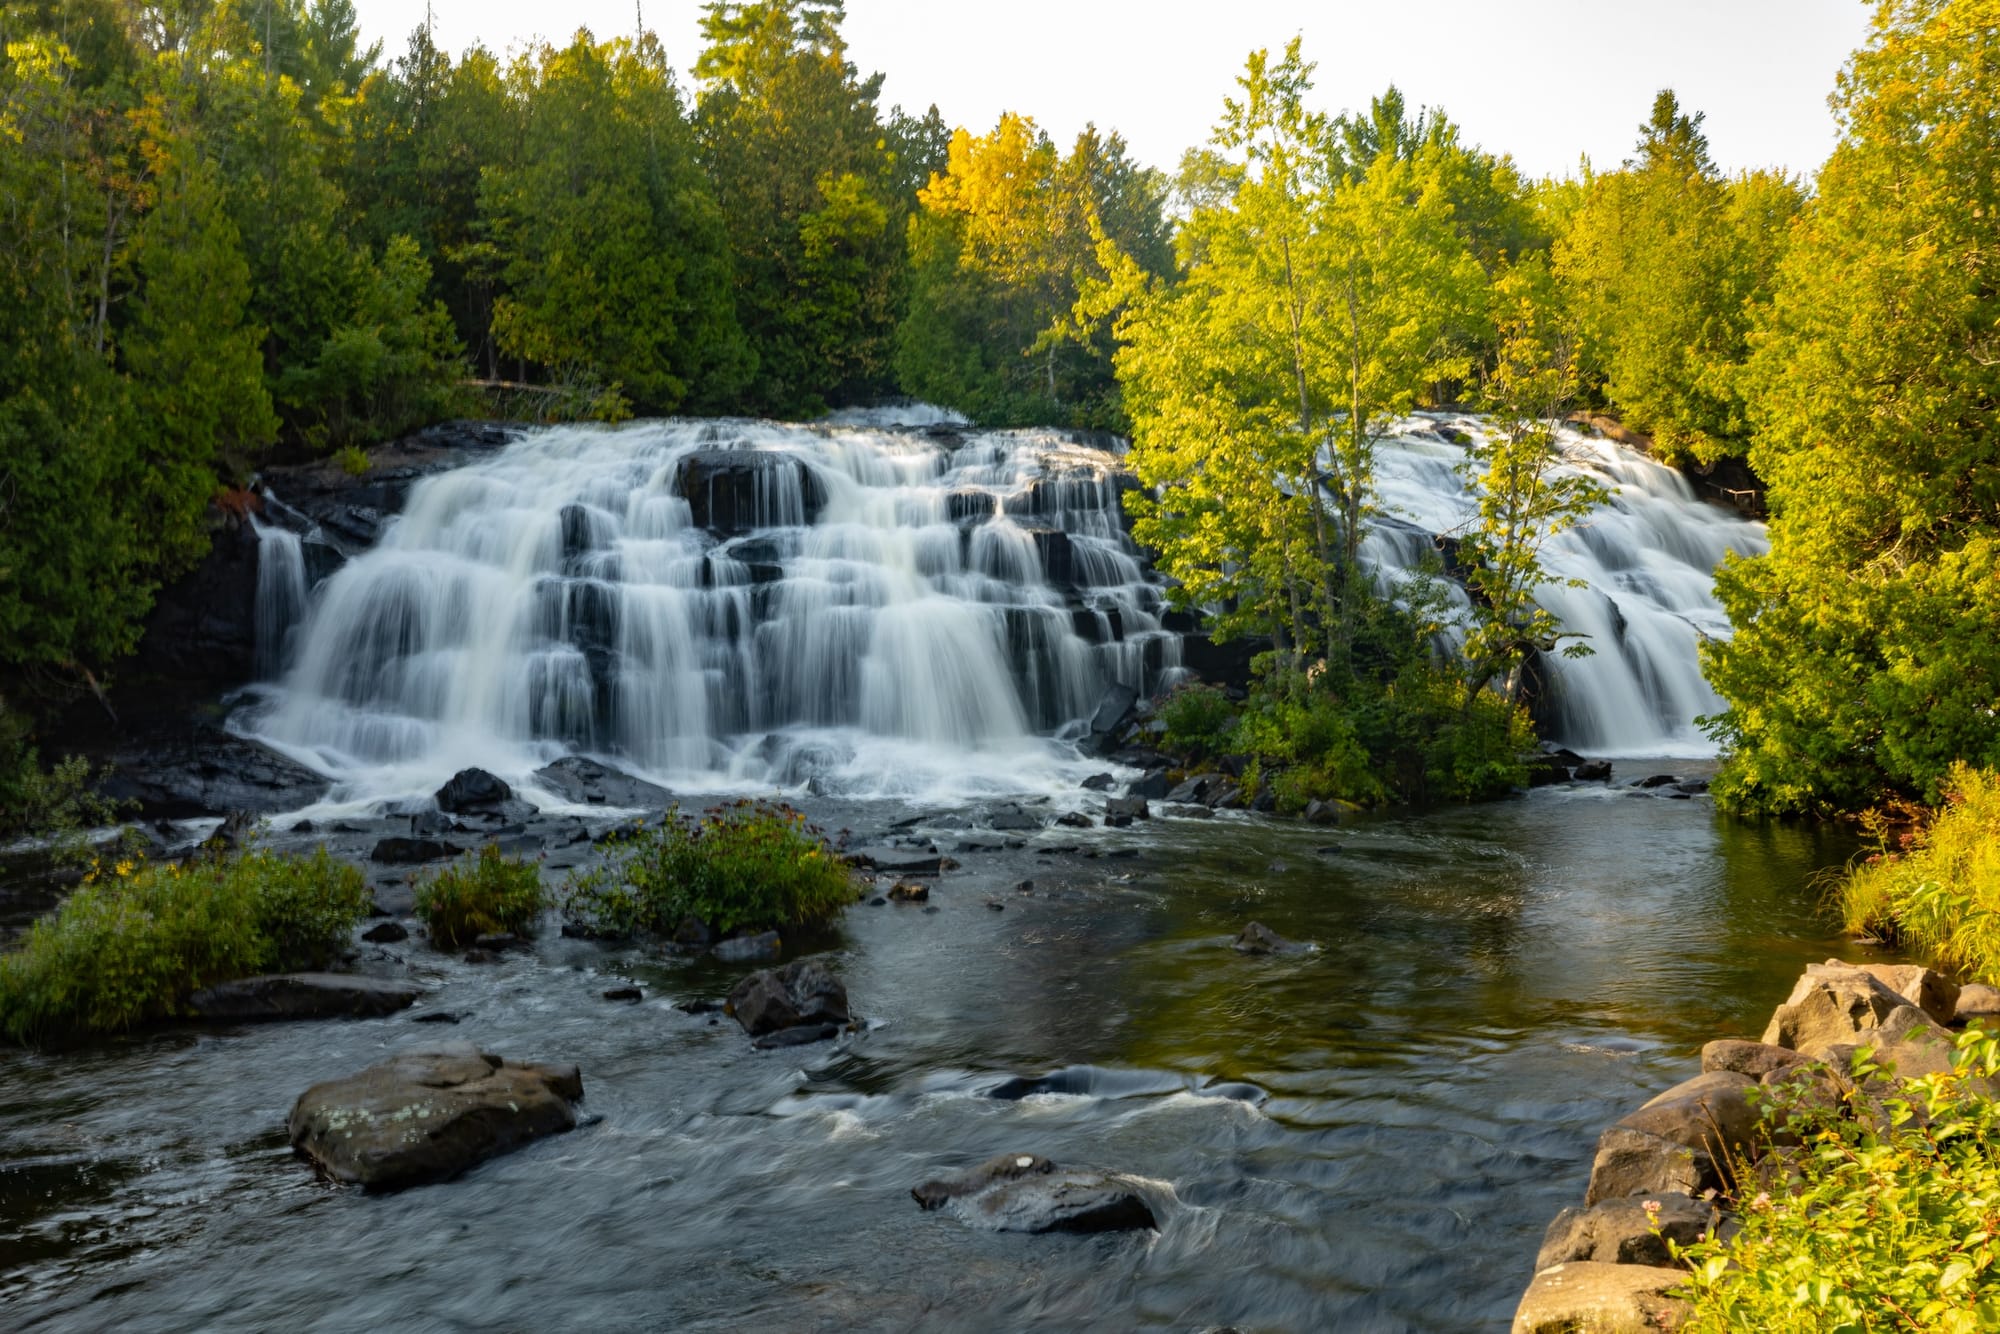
1548 81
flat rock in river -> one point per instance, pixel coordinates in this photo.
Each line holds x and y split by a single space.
1028 1193
429 1115
586 782
901 861
302 996
210 773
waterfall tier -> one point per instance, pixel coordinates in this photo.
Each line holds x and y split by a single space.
730 603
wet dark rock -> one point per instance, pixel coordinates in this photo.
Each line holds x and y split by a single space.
1657 780
1592 771
1100 783
209 772
1013 817
1074 820
629 994
1256 938
1130 808
1151 786
1028 1193
1187 812
905 892
302 996
897 861
996 905
500 940
301 827
1226 797
430 1115
1024 886
1195 789
802 992
386 933
1114 711
586 781
471 790
480 956
430 823
1692 787
237 828
738 491
436 1017
700 1005
877 902
1621 1231
759 948
800 1035
396 851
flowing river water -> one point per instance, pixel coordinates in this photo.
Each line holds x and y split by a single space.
892 629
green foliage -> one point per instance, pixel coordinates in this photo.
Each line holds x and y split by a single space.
1004 261
1882 1218
487 894
1938 896
353 460
1200 719
747 865
1663 265
1865 656
136 940
56 805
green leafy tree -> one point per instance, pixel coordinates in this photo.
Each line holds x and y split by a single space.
611 257
1867 648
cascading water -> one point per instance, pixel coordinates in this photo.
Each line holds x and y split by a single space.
281 593
719 603
1646 560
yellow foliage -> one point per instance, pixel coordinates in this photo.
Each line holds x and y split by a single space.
1940 897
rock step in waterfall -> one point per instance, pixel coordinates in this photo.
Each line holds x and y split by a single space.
871 608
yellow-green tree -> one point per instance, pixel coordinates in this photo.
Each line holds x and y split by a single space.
1867 647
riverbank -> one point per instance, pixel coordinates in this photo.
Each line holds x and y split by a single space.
1363 1136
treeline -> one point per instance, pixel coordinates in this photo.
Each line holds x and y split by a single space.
229 227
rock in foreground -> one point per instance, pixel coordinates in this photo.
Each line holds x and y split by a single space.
429 1115
1028 1193
1602 1299
801 1002
302 996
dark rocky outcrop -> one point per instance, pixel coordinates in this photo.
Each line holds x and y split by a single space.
302 996
897 861
803 994
1028 1193
429 1115
397 851
735 491
473 791
587 782
207 771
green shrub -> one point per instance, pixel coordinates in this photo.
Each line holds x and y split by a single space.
479 896
746 865
353 460
1886 1220
54 805
1940 896
135 940
1199 719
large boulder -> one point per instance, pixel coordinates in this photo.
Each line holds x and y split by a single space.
1936 996
1682 1140
1831 1004
1978 1001
207 771
1028 1193
1755 1059
803 995
739 490
1622 1231
1590 1297
473 790
429 1115
1909 1040
584 781
302 996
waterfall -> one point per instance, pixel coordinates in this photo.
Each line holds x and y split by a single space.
281 593
1646 560
874 610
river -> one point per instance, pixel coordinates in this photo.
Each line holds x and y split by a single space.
1367 1137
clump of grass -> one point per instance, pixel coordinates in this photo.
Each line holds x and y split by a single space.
1881 1217
353 460
136 939
753 865
1939 896
489 894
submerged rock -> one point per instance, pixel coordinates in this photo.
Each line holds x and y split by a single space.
302 996
1028 1193
429 1115
802 994
1257 938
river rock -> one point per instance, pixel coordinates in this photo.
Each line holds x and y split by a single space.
1322 812
1936 996
1257 938
1682 1140
398 851
1634 1162
1151 786
1193 790
1126 808
1099 783
1978 1001
1909 1040
1014 818
760 947
739 490
1028 1193
209 772
1590 1297
302 996
899 861
429 1115
386 933
804 993
1113 712
1592 771
471 790
1831 1003
1620 1231
1755 1059
586 782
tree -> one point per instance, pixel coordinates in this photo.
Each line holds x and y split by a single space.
1866 656
611 255
1524 496
1664 265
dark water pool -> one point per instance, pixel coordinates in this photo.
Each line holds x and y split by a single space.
1367 1137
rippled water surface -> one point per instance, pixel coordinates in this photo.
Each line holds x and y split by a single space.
1371 1136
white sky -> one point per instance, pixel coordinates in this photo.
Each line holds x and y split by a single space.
1546 80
